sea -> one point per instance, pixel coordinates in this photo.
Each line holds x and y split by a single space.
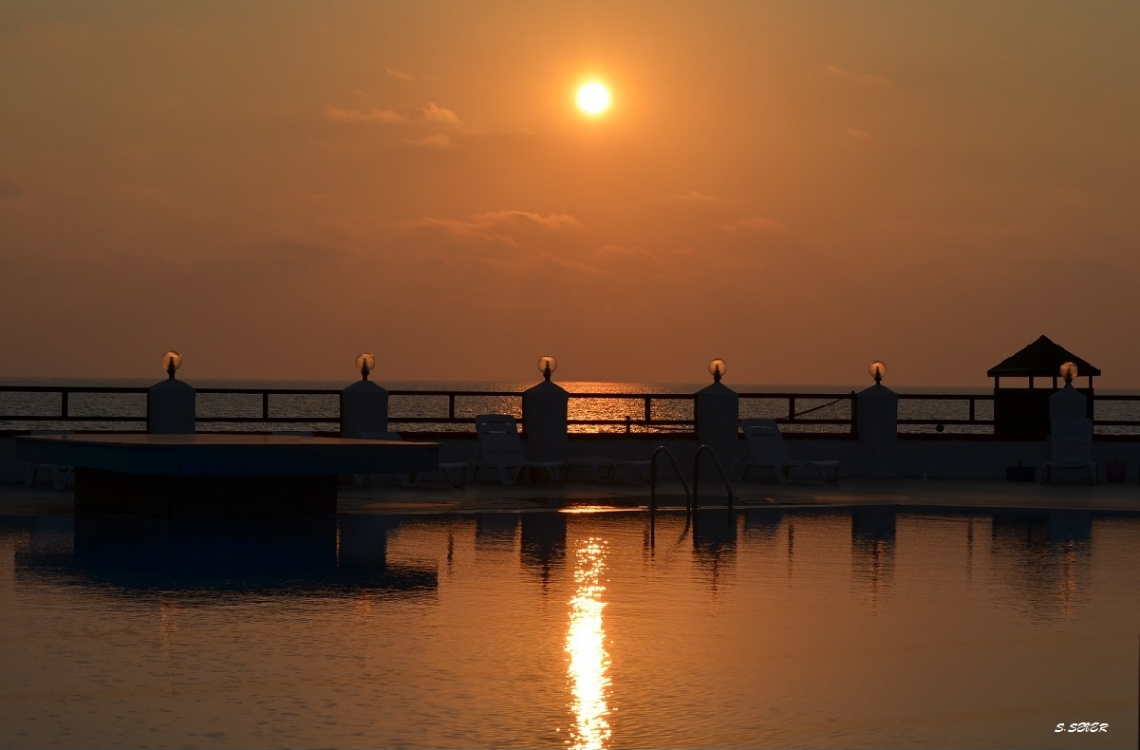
813 402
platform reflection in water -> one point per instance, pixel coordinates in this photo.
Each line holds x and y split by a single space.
778 628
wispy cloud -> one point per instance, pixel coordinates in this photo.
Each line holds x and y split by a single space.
863 79
622 251
14 195
400 75
499 225
572 265
858 134
693 196
371 115
755 224
10 192
440 140
435 113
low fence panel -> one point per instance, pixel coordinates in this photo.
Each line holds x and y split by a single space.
266 409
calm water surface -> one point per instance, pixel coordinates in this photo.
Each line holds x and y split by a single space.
584 630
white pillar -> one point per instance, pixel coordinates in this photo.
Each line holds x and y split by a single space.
363 409
717 411
545 408
1067 403
877 419
170 408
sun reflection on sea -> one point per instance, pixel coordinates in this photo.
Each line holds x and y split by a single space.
586 646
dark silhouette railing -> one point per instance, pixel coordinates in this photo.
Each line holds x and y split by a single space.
261 409
448 410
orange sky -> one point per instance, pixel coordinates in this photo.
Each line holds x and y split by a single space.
798 188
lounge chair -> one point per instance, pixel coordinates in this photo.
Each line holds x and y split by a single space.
601 469
765 449
61 476
1070 447
643 468
500 448
365 480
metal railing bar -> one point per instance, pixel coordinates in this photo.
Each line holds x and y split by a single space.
72 389
821 406
697 476
948 421
945 397
67 406
659 450
69 418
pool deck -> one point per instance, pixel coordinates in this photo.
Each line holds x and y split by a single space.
433 495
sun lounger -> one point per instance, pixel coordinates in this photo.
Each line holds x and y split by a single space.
643 468
500 448
364 480
61 476
765 449
601 469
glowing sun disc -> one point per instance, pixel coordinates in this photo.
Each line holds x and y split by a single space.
593 98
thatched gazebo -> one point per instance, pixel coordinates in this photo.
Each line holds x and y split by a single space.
1025 411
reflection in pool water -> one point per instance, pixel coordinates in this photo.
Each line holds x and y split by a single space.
777 628
586 645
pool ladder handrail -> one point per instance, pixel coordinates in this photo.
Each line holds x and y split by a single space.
661 449
697 475
692 499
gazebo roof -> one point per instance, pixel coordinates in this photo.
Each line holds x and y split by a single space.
1042 358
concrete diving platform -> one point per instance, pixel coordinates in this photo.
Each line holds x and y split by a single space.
218 475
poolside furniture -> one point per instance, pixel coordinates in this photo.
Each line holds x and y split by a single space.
363 480
218 474
501 448
765 449
61 476
455 472
1070 448
601 469
643 468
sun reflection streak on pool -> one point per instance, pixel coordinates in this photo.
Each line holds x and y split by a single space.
586 645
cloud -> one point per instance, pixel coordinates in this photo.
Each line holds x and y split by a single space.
622 251
387 116
314 199
10 192
400 75
285 251
693 196
498 225
440 140
755 224
435 113
13 195
858 134
863 79
571 265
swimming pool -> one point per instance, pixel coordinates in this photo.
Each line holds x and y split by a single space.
860 627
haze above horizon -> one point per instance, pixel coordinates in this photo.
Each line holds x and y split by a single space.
799 188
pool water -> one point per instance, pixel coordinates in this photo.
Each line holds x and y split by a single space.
863 628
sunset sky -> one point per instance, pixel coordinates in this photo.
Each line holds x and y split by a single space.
799 188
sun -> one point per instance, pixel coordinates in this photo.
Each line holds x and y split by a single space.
593 98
